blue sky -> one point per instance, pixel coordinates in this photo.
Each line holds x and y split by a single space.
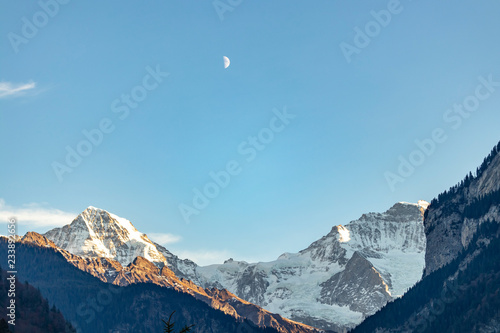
353 116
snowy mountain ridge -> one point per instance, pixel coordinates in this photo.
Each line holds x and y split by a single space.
333 284
369 261
98 233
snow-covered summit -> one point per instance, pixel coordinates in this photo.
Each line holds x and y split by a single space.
339 279
98 233
93 208
369 260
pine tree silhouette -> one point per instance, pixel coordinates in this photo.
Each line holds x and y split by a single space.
169 326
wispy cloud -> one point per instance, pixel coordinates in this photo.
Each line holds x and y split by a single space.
9 89
204 258
35 215
164 239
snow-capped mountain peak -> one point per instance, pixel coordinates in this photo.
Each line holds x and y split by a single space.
343 234
349 273
98 233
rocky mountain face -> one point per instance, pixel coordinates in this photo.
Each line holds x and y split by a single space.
461 296
338 280
97 233
94 306
461 285
447 229
128 241
333 284
358 278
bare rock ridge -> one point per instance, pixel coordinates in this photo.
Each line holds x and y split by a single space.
37 239
142 270
93 306
357 279
369 261
447 231
97 233
389 245
459 291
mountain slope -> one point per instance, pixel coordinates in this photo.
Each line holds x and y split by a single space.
462 296
33 313
372 260
95 306
141 270
357 279
447 230
97 233
460 291
306 286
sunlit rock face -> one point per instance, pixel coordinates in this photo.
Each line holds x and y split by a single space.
142 273
339 279
97 233
333 284
447 231
359 286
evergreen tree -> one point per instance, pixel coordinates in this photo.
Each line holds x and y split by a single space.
169 326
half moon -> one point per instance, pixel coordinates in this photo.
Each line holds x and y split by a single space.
226 61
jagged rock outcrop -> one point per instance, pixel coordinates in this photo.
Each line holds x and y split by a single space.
141 270
183 268
372 260
460 289
37 239
93 306
98 233
359 286
294 286
447 230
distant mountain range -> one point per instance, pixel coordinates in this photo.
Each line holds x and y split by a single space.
339 279
333 284
415 267
111 248
94 306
